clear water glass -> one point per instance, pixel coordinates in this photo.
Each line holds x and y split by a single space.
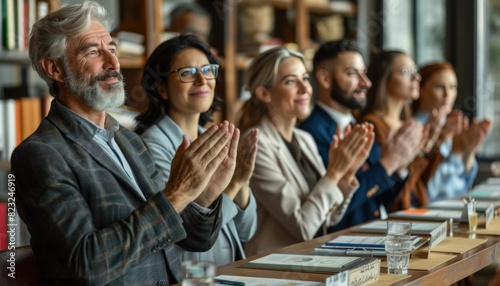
398 255
198 273
398 229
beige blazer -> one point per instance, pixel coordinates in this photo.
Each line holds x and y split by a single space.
288 211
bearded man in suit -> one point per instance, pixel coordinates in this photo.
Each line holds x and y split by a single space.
87 187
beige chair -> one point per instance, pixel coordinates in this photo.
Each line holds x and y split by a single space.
27 272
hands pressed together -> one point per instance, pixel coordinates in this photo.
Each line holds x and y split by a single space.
194 165
402 147
213 163
467 136
239 189
347 155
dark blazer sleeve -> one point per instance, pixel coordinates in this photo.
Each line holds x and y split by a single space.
376 187
90 244
88 225
202 229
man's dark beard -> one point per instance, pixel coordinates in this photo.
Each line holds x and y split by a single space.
347 100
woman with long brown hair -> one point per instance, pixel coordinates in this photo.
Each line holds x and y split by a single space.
395 82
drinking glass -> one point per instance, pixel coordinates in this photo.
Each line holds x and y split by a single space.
398 255
472 216
398 230
198 273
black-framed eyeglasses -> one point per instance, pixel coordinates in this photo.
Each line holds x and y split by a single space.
189 74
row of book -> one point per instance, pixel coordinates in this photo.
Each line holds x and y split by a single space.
17 18
19 118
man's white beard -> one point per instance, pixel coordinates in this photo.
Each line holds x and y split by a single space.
90 91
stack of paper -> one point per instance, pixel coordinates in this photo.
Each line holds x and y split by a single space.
360 245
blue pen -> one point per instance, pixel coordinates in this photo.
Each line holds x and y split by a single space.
229 282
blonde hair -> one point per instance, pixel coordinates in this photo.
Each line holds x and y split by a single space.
262 72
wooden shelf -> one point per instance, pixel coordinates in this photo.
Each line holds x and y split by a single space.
145 17
281 4
14 57
5 165
132 62
346 8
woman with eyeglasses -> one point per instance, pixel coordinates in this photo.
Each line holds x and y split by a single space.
458 140
180 79
296 194
395 83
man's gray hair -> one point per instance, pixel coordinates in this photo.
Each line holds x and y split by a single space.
49 35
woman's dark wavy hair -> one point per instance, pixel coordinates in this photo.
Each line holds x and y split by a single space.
157 67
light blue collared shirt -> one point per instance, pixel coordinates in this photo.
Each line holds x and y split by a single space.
106 139
450 179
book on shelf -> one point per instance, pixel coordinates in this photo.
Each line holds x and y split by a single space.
3 225
260 281
20 118
485 209
12 126
360 245
253 48
307 263
31 115
2 17
130 44
435 230
9 27
17 18
3 142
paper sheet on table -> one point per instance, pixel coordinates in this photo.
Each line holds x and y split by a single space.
457 245
386 279
435 259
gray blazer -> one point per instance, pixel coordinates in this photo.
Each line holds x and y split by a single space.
163 139
288 211
88 224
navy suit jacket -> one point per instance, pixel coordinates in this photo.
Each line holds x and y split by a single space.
375 186
88 224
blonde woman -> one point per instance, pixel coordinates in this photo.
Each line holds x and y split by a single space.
295 193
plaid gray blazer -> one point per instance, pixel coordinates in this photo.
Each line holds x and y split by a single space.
88 225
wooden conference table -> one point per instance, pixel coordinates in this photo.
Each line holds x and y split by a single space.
449 272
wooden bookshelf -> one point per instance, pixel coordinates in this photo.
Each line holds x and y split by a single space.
297 32
145 17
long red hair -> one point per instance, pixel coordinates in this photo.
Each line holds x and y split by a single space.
426 72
